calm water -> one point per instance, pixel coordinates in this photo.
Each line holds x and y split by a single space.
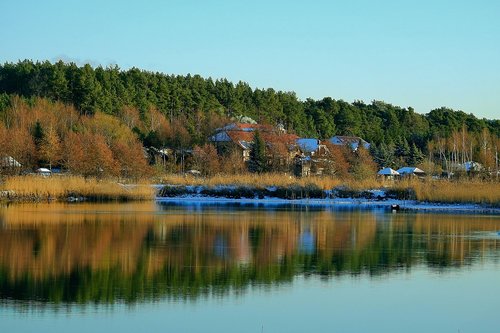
170 268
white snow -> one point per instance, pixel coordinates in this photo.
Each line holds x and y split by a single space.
194 195
339 203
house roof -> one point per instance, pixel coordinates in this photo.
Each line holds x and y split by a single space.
308 145
244 127
388 172
242 137
472 166
410 170
242 134
351 140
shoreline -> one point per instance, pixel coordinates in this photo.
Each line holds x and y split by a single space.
76 189
341 203
335 203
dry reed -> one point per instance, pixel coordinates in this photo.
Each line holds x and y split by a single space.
252 180
61 187
458 192
464 191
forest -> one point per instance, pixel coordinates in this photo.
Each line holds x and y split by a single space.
60 113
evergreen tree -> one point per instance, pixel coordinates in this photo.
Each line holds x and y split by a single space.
110 89
415 156
258 159
383 155
37 133
402 148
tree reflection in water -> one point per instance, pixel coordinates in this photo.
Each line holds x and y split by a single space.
61 254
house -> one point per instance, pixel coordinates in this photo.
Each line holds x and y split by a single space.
9 165
240 136
353 141
311 146
302 166
158 156
469 167
411 171
472 166
388 173
315 157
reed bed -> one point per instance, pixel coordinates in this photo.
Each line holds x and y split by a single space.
446 191
33 188
252 180
458 191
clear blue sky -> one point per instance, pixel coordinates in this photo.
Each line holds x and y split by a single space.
423 54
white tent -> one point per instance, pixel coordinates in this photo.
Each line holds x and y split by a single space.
43 171
388 172
411 171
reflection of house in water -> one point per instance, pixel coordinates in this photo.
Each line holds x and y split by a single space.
36 246
220 246
307 243
243 253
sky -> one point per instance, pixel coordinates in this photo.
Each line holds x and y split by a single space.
424 54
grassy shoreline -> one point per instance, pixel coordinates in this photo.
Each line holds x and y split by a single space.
76 188
71 188
428 190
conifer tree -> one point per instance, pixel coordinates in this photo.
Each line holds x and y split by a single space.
258 159
416 156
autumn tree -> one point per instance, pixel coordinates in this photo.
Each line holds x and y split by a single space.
233 163
89 155
206 160
130 159
73 153
362 165
339 165
277 154
21 147
50 147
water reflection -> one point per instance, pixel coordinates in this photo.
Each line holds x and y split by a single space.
61 253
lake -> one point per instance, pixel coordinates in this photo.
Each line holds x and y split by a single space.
164 267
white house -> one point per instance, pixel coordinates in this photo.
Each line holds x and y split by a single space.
411 171
388 173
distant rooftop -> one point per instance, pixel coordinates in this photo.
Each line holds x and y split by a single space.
353 141
308 145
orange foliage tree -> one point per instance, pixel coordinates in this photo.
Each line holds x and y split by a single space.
338 156
50 147
206 160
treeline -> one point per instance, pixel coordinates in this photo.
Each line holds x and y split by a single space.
181 112
110 89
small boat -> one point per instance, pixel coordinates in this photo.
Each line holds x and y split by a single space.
395 207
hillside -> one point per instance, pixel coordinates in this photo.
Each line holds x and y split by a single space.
110 89
182 111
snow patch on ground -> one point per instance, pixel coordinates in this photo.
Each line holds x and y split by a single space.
377 199
339 203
